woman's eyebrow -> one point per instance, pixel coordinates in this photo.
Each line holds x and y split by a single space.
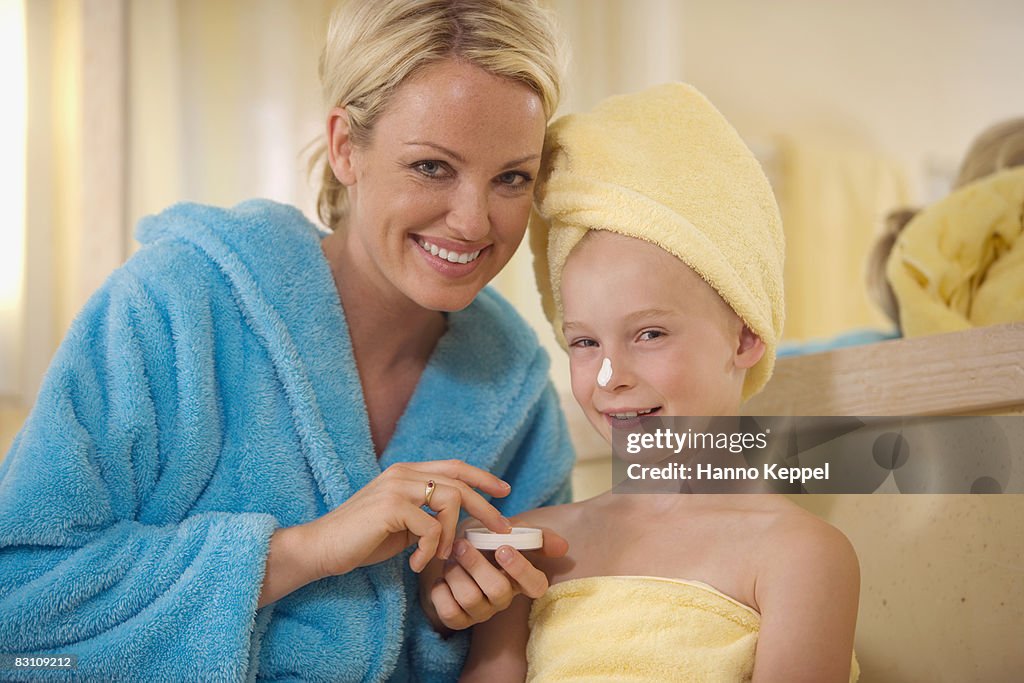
458 157
441 148
522 160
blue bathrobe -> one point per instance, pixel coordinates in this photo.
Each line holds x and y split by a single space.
207 395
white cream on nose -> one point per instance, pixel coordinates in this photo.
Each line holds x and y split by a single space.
605 375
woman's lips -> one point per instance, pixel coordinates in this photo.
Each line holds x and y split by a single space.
447 259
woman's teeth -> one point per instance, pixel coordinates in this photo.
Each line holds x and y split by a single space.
450 256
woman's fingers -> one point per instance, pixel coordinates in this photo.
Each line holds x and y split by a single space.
478 507
447 497
387 515
429 531
446 502
464 472
468 499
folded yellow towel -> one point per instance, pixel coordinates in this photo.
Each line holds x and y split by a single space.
663 165
960 262
641 628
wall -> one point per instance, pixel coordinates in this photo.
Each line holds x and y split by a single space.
879 98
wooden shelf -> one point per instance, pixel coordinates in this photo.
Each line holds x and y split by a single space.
975 371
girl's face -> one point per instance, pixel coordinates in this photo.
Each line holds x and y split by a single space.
674 346
440 195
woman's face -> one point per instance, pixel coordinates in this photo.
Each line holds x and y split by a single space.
440 195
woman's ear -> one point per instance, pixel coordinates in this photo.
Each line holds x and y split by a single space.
749 350
339 146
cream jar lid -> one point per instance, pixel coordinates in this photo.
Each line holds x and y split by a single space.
520 538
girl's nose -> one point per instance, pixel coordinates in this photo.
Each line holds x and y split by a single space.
604 375
615 373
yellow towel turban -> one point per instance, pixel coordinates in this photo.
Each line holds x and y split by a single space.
663 165
960 262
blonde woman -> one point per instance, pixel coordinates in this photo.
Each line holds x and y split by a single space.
252 422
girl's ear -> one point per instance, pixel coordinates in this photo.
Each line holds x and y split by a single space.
749 350
339 146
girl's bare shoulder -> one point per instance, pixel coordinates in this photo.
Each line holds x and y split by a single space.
556 517
795 542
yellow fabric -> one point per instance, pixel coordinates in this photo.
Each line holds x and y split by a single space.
663 165
833 192
960 262
606 629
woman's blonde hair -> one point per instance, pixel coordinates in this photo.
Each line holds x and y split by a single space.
998 147
373 46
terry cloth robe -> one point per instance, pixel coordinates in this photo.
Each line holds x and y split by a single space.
207 395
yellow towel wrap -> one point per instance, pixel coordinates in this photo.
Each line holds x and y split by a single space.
960 262
606 629
663 165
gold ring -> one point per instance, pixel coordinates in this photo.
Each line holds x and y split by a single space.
428 493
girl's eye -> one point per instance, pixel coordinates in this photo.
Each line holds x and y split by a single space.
431 169
514 179
583 344
649 335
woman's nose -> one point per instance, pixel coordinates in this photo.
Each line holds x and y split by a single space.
468 213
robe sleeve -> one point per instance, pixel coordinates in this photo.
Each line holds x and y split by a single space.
99 556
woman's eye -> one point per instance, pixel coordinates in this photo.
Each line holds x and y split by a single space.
431 169
514 179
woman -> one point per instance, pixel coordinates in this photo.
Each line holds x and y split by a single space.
239 436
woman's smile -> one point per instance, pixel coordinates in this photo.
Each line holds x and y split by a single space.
449 258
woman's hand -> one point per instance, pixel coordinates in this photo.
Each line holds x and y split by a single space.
470 589
381 520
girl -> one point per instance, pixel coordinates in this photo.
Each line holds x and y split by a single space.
659 253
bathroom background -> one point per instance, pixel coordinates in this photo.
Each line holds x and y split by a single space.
117 108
